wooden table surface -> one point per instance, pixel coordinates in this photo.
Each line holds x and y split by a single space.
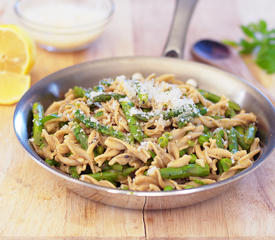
32 204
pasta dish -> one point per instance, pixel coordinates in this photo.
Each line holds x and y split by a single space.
153 133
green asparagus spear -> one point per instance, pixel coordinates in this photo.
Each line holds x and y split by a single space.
112 175
240 129
172 113
203 138
224 164
184 119
104 97
193 158
198 181
98 150
52 162
214 98
183 113
210 96
38 114
185 171
182 152
80 136
73 172
234 106
233 141
230 112
250 134
105 130
186 116
141 93
144 117
202 109
217 117
98 114
117 167
168 188
49 117
240 138
219 138
135 128
127 171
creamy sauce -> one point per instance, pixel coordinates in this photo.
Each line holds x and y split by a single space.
54 18
63 14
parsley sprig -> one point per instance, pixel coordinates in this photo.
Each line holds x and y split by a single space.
260 42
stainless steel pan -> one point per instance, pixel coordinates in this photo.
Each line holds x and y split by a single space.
87 74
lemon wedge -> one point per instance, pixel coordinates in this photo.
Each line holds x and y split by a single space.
13 86
17 50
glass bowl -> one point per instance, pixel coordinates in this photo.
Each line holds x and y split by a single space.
64 25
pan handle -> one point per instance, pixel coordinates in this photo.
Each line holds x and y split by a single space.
177 35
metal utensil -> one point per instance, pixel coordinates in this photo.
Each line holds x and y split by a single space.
219 55
87 74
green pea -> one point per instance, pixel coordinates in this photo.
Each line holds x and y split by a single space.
163 141
98 114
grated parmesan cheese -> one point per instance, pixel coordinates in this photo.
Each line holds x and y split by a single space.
94 94
232 159
151 170
143 145
161 94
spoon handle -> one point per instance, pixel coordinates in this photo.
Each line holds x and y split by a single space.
176 38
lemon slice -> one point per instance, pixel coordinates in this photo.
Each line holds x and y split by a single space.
17 50
13 86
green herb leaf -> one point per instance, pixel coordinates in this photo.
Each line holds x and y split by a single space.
266 58
260 42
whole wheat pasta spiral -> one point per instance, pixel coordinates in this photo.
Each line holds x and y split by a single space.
153 133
